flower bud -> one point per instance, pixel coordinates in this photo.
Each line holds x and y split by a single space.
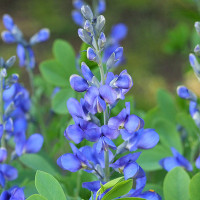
85 36
185 93
87 12
8 37
91 55
78 83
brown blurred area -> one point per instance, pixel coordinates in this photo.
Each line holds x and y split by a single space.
160 36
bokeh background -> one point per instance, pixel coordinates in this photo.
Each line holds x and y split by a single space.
160 36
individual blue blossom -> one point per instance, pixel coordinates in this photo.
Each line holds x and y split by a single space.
31 145
176 161
7 173
127 164
185 93
127 124
14 193
197 162
24 48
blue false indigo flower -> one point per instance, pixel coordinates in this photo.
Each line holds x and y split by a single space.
197 162
73 162
197 27
195 64
118 32
77 17
87 12
24 48
8 173
101 6
78 83
176 161
32 145
85 36
126 123
91 55
14 193
150 195
127 164
3 154
185 93
87 74
197 50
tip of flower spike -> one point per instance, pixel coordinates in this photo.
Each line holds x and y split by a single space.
185 93
8 22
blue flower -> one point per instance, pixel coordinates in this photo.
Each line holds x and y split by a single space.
31 145
8 173
14 193
24 48
197 162
126 123
176 161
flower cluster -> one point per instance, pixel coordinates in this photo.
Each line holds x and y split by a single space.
14 106
101 96
24 48
117 34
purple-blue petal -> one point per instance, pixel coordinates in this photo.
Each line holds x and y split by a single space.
74 133
8 22
119 32
2 184
130 170
92 134
74 107
10 173
8 37
34 143
92 186
132 123
31 58
197 162
109 132
69 162
87 74
3 154
78 83
148 139
21 54
77 17
169 163
108 94
91 55
118 53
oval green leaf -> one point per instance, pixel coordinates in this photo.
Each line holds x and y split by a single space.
48 186
176 185
36 197
194 187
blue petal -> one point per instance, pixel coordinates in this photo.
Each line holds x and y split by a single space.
8 37
99 145
20 124
10 173
8 22
91 95
41 36
78 4
74 133
109 132
150 195
124 81
69 162
100 105
3 154
17 193
20 139
148 139
184 93
108 94
78 83
9 125
1 130
9 93
109 143
130 170
193 108
169 163
93 134
74 107
119 32
197 162
101 6
87 74
92 186
34 143
21 54
91 55
132 123
2 184
118 53
109 78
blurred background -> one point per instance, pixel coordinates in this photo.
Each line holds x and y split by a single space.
160 36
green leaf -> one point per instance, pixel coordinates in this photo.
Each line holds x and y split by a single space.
149 160
176 185
83 57
166 105
110 184
48 186
168 134
194 187
59 101
36 197
37 162
65 55
119 189
53 73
